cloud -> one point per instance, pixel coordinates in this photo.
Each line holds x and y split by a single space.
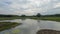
53 11
28 7
57 5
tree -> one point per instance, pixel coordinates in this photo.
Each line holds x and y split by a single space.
38 15
23 15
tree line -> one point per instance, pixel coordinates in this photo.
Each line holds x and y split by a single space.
54 15
37 15
8 15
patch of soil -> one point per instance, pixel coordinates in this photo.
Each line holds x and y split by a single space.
48 31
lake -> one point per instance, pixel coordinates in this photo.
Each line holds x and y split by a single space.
31 26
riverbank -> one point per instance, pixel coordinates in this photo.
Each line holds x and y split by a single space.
8 18
37 18
7 25
52 18
47 18
48 31
12 18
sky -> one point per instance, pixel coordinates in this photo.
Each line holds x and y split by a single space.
29 7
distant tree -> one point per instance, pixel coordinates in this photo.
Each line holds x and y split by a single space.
57 15
38 15
23 15
34 15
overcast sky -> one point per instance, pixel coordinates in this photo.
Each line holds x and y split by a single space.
29 7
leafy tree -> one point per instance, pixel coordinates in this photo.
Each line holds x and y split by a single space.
38 15
23 15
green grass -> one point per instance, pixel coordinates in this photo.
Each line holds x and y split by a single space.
40 18
7 25
11 18
52 18
47 18
8 18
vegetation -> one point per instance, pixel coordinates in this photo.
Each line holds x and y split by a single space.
23 15
38 15
8 18
47 18
51 18
7 25
1 15
55 17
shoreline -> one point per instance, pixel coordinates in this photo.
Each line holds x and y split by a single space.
8 25
48 31
47 18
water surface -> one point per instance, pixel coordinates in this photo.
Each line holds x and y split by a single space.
31 26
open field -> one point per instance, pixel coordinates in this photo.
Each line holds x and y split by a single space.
11 18
8 18
40 18
51 18
7 25
47 18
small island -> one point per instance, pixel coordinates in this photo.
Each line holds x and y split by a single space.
8 25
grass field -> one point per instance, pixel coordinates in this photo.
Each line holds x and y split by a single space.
40 18
8 18
51 18
47 18
11 18
7 25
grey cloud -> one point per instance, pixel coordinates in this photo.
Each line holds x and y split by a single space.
53 11
23 2
27 6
